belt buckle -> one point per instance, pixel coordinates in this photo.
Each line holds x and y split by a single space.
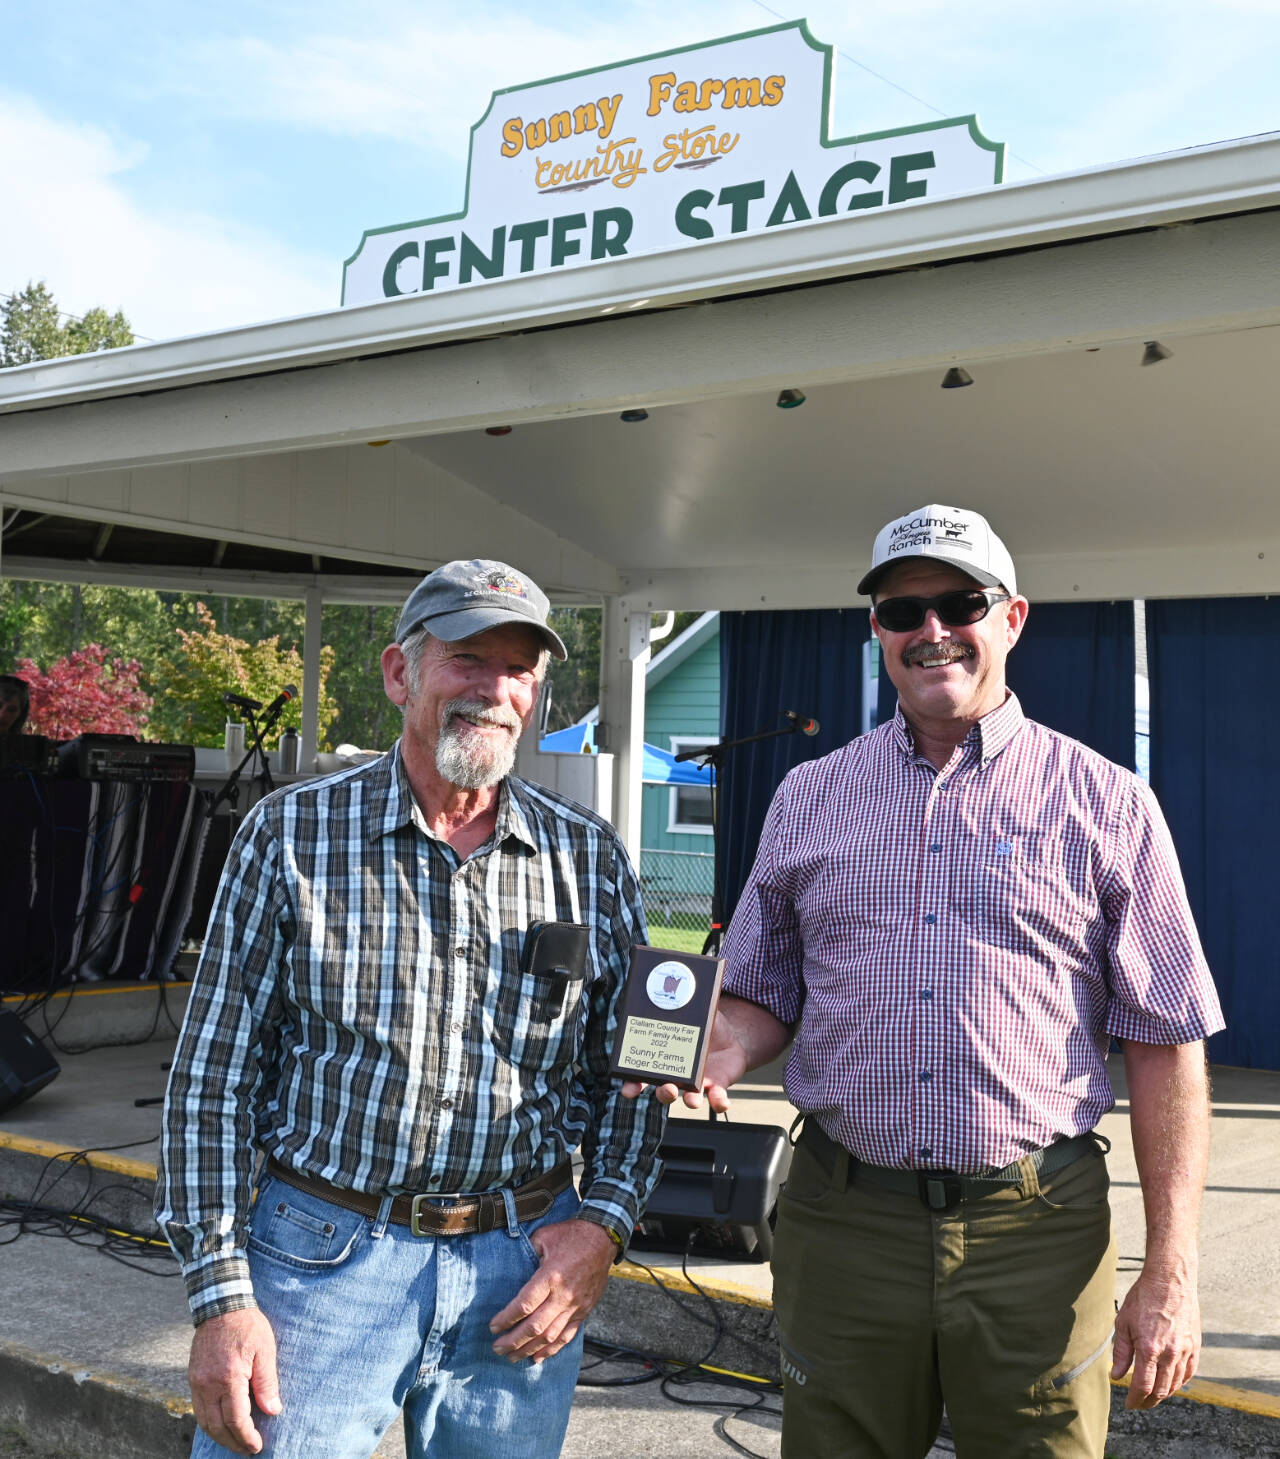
939 1190
434 1199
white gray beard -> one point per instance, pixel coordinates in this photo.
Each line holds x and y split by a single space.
473 766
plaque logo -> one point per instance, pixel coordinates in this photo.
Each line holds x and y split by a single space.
670 985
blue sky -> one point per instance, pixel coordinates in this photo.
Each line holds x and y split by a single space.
202 166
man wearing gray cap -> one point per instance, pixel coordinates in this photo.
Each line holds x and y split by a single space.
951 917
405 1006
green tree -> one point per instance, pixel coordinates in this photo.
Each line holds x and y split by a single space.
31 328
207 663
357 634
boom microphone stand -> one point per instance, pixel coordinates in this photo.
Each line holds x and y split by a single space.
230 789
714 756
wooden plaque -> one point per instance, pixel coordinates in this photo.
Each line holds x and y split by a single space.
665 1018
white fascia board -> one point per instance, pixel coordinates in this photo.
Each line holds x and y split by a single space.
335 588
679 649
1224 178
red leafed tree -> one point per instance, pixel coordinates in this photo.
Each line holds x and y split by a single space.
86 693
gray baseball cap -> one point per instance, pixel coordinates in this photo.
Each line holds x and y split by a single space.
953 535
461 599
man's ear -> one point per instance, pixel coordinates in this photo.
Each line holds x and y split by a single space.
395 674
1015 617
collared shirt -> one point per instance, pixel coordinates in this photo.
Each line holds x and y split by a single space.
958 946
359 1015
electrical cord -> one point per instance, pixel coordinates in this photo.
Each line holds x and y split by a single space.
672 1375
39 1216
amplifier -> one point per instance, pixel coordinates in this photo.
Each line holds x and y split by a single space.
718 1190
28 755
26 1066
121 757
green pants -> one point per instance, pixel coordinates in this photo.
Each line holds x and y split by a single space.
1001 1309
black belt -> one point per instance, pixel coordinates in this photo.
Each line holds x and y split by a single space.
943 1190
440 1215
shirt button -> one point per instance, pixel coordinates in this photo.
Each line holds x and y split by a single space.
433 1180
930 918
926 1075
926 994
459 952
446 1103
926 1152
936 847
455 1027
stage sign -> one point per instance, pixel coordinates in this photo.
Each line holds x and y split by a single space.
662 153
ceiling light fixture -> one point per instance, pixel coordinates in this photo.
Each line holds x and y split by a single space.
1155 352
497 430
956 377
789 398
632 416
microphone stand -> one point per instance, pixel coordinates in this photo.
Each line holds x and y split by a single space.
230 791
714 756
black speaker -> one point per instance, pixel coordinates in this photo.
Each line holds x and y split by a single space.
718 1190
26 1066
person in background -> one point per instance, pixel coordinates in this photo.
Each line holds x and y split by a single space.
15 704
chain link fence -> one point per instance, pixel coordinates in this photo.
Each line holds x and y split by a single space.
677 887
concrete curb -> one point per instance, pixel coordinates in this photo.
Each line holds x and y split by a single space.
94 1415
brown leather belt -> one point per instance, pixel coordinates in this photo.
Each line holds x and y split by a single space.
440 1215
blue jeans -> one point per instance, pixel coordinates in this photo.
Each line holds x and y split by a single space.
370 1319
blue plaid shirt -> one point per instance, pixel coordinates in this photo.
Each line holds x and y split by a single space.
359 1015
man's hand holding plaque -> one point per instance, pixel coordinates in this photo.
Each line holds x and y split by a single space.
665 1022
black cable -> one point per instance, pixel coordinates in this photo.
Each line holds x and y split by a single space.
77 1223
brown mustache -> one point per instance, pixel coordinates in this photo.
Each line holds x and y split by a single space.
917 653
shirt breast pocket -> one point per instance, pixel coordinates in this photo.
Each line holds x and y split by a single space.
539 1019
1027 896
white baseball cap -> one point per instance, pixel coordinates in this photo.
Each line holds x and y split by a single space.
953 535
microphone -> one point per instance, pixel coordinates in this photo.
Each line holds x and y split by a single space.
803 724
241 702
290 691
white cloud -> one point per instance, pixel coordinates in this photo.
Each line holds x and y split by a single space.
70 219
426 84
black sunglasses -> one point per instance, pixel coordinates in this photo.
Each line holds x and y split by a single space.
956 609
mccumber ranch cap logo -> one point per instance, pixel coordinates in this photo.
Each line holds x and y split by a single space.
928 532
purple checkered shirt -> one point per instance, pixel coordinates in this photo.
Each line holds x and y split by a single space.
958 946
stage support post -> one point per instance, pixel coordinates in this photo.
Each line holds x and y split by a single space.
624 658
312 640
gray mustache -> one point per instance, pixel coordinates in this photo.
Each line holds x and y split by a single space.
486 713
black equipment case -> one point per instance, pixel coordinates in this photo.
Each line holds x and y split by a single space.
718 1190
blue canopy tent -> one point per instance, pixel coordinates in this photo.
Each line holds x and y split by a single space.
659 768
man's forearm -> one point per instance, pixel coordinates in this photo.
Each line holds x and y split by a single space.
1158 1325
760 1034
1169 1115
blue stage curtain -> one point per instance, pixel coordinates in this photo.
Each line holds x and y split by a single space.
1072 669
1214 707
809 661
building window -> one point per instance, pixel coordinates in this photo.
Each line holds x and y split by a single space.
690 804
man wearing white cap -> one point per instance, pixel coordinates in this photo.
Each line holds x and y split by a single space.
952 917
406 1005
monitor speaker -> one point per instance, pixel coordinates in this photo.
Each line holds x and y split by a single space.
26 1066
718 1191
